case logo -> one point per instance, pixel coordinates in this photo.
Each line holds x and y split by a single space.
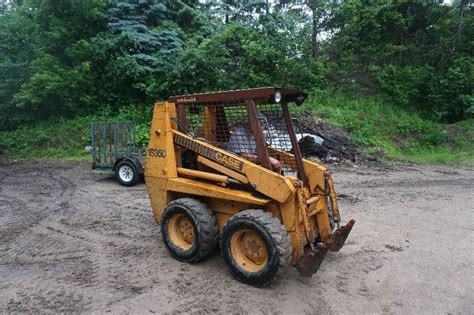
209 152
229 161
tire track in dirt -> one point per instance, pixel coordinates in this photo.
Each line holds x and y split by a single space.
74 242
23 213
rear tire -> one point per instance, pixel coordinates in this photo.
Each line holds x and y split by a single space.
254 244
126 173
189 229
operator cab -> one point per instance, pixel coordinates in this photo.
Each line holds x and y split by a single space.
252 123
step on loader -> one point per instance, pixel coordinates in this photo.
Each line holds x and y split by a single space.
225 169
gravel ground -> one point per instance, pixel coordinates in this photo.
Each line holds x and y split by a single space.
74 241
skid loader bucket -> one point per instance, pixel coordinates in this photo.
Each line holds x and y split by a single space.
313 258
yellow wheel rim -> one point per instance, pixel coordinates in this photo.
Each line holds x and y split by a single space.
181 231
249 250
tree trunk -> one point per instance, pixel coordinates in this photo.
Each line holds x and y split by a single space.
314 30
462 6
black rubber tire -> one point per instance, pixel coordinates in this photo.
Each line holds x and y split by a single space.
205 229
273 234
135 176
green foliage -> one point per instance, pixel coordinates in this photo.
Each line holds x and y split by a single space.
438 96
44 66
401 134
406 61
370 122
419 53
63 138
67 138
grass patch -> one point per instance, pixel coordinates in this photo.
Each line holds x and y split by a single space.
59 139
438 155
370 122
402 135
66 139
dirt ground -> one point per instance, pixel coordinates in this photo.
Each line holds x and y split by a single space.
74 241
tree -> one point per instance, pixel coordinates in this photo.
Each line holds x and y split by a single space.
69 57
408 48
44 68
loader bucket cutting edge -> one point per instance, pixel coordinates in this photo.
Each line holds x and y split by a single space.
312 259
340 235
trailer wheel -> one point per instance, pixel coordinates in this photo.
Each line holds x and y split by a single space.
189 229
255 245
126 173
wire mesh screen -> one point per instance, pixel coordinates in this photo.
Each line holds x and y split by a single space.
274 127
227 126
112 140
276 136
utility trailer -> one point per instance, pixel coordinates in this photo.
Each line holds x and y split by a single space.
115 151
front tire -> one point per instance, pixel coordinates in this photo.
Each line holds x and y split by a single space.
126 173
189 229
255 245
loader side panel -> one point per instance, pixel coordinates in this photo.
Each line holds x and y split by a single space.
159 196
160 157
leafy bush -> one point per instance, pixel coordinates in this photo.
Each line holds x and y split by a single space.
438 95
370 122
377 124
63 138
67 137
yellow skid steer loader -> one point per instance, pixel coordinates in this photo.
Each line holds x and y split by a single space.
225 168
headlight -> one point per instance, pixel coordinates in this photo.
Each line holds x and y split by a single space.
277 96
